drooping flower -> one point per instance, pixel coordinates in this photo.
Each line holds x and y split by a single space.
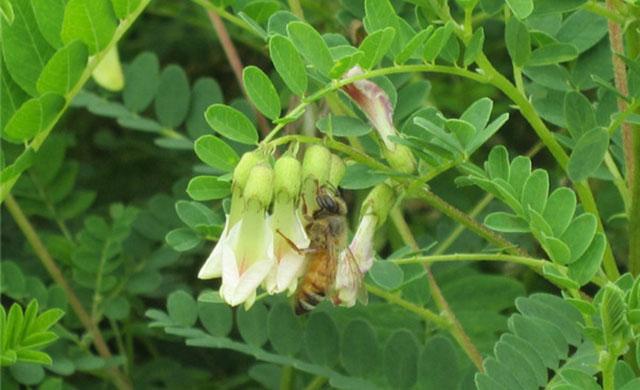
376 105
357 259
289 233
212 267
244 254
247 256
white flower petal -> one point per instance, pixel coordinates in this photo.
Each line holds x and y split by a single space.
212 267
362 244
290 267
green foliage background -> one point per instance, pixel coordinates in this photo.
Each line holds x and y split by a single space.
511 109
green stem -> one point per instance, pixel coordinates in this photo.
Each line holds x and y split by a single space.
426 314
447 209
316 383
39 139
337 84
231 18
530 262
296 8
618 181
287 378
459 229
634 212
598 9
456 329
608 372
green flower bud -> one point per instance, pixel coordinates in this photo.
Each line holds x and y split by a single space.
316 164
244 167
379 202
259 187
400 159
287 176
337 170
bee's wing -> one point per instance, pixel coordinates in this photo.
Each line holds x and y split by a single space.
349 277
354 268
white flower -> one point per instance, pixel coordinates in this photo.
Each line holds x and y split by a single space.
212 267
354 262
290 262
362 244
247 257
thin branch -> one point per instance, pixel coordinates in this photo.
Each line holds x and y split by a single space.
119 379
456 329
236 64
630 138
447 209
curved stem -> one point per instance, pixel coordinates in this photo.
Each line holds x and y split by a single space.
528 261
423 312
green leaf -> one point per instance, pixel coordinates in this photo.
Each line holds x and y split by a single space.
474 47
123 8
497 165
33 116
278 22
579 114
343 126
141 82
462 130
64 69
400 359
251 324
217 318
182 308
232 124
583 30
194 214
612 312
6 11
583 269
310 44
545 7
412 46
559 210
25 50
588 154
359 353
552 53
117 309
580 233
375 46
346 57
380 14
535 191
284 329
521 8
288 64
438 367
261 92
91 21
437 42
518 41
387 274
182 239
321 339
206 92
173 97
359 177
30 374
49 14
208 188
506 222
216 153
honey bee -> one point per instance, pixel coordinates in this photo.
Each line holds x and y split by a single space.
327 231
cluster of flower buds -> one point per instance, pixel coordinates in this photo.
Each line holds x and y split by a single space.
264 239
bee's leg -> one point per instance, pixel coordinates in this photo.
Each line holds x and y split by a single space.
301 251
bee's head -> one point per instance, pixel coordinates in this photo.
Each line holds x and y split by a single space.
330 202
